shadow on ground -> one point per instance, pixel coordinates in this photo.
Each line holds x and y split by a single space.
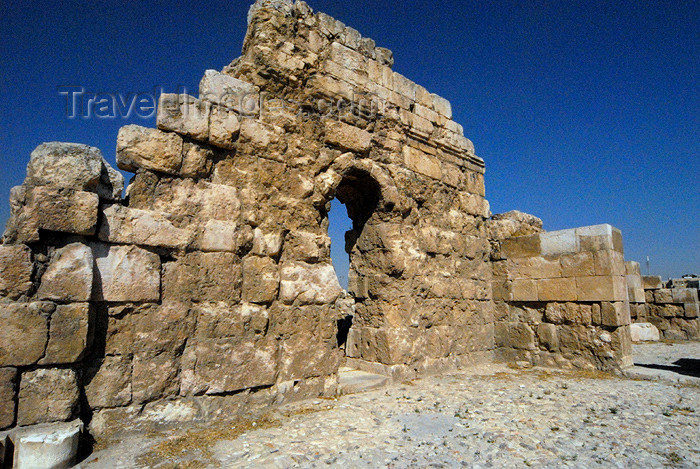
683 366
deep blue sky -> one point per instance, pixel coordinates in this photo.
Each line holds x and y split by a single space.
586 112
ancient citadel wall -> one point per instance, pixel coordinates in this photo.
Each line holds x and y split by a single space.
562 299
672 307
209 288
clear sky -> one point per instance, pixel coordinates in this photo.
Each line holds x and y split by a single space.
585 112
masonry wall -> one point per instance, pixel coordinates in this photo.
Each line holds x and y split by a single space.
209 287
672 307
562 299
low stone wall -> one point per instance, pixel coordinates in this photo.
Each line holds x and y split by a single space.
672 307
562 298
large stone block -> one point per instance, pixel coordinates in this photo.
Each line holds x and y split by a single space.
261 280
557 243
8 398
152 149
524 290
108 382
154 377
606 288
663 296
347 137
521 246
651 282
15 271
73 166
684 295
644 332
608 262
536 268
581 264
184 115
226 365
125 273
226 236
52 446
47 395
224 128
24 332
62 210
219 320
69 334
124 225
599 237
69 276
211 276
229 92
309 283
548 337
515 335
615 314
557 289
421 162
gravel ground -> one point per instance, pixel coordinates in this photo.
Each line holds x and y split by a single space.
490 417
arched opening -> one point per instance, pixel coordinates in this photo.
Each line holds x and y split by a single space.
356 200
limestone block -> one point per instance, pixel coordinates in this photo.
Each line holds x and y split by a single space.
261 280
599 237
197 160
422 163
224 128
691 310
441 105
266 244
651 282
68 334
385 56
524 290
347 137
581 264
228 365
152 149
124 225
536 268
548 338
184 115
229 92
69 275
601 288
632 268
62 210
47 446
502 290
154 377
515 335
609 262
684 295
8 398
24 332
307 355
260 135
556 243
225 236
47 395
125 273
15 270
306 246
510 224
211 276
572 339
108 382
308 283
615 314
73 166
663 296
521 246
644 332
557 289
348 58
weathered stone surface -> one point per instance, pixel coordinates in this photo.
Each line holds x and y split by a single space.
73 166
266 244
581 264
47 208
261 280
69 276
644 332
152 149
214 276
69 334
308 283
197 160
556 243
347 137
651 282
15 271
522 246
8 397
154 377
601 288
53 446
108 382
24 332
126 225
47 395
217 366
224 127
229 92
524 290
511 224
184 115
125 273
547 335
615 314
225 236
557 289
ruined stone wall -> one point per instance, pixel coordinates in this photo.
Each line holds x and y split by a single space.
209 287
672 307
561 299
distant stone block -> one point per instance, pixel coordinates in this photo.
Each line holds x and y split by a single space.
644 332
651 282
47 395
